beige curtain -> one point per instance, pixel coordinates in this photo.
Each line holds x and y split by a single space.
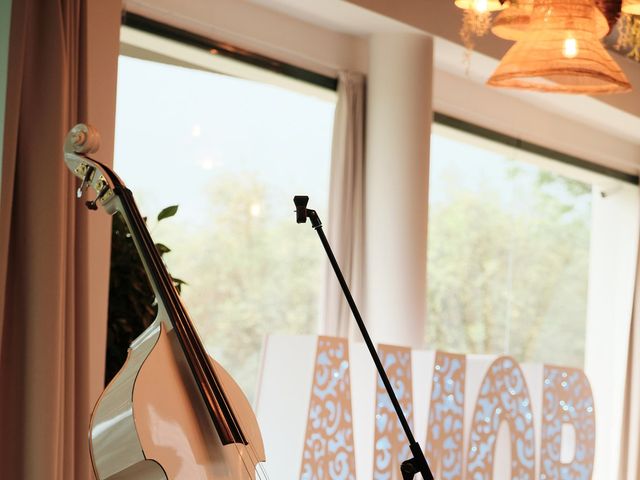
345 227
54 254
630 445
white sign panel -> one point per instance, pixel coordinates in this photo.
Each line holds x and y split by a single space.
325 415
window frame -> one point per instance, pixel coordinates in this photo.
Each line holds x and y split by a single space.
536 149
185 37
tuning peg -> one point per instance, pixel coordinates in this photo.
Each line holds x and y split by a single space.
93 205
85 181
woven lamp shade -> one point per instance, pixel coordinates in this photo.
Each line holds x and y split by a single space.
482 5
560 52
631 6
512 23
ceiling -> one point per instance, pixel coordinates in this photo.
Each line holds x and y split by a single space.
619 114
338 15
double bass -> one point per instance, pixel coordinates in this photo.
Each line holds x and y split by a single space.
171 412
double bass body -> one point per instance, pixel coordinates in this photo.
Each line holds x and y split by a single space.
150 422
171 412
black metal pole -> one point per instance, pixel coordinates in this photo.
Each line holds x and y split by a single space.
418 464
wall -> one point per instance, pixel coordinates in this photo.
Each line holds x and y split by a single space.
507 113
260 30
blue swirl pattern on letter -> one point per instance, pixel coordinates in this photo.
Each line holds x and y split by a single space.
328 445
390 443
567 399
503 396
446 416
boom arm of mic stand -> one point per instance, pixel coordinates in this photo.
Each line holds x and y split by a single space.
417 464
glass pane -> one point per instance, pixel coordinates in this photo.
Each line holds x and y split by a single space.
508 254
231 153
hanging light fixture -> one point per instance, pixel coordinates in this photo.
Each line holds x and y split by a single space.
476 19
560 52
512 23
631 7
482 6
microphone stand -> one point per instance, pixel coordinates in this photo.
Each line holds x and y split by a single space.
418 464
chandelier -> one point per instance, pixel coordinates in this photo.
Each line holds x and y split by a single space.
512 23
557 42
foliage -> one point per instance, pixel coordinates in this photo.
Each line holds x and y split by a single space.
503 275
132 305
628 41
474 25
257 272
511 276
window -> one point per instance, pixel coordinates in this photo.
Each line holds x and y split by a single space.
231 153
530 257
508 253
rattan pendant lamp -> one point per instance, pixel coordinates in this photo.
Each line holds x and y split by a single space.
561 52
512 23
631 7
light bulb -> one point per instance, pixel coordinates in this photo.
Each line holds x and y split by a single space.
570 47
256 209
481 6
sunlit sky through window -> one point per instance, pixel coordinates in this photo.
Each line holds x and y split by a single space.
464 166
177 129
231 153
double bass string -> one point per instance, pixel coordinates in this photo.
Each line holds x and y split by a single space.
185 328
206 382
169 293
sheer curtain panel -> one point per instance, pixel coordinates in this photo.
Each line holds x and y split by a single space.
346 204
630 444
54 253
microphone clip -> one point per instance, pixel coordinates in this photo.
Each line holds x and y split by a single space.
302 212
